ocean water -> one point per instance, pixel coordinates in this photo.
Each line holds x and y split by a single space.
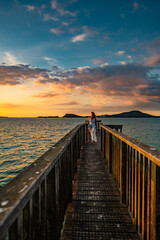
22 140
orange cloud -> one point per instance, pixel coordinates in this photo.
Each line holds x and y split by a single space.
154 60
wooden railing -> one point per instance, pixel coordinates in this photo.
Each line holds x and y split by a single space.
33 204
136 169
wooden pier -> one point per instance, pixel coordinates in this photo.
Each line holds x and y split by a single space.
96 211
79 190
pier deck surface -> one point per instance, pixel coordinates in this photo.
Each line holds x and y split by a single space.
96 211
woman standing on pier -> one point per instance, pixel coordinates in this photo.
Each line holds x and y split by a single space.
92 127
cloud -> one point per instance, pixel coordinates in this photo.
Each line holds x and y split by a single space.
153 49
10 105
129 80
104 64
98 61
61 9
46 95
88 32
30 7
154 60
83 68
54 4
19 74
80 37
65 23
120 53
123 62
136 6
56 31
120 85
9 59
55 68
69 103
50 59
48 16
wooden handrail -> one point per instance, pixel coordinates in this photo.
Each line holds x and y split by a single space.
33 204
136 169
146 150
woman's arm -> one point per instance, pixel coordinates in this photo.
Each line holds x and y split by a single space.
88 120
96 122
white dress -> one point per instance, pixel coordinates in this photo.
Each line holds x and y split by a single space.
92 129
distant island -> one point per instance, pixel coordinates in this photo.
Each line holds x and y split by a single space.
131 114
48 117
3 117
70 115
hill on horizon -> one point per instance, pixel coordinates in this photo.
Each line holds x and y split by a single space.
130 114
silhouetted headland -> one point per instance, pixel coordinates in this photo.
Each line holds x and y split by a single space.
131 114
70 115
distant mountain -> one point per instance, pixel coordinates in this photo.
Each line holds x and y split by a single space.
70 115
48 117
131 114
3 117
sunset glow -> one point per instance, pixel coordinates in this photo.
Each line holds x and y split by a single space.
76 57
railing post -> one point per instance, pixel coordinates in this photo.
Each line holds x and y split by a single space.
101 138
136 189
140 193
35 215
86 133
144 199
43 209
104 142
130 179
51 206
13 232
57 198
148 198
123 160
155 202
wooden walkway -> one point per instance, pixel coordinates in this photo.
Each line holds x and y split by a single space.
96 211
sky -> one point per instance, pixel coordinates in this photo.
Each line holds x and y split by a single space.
78 56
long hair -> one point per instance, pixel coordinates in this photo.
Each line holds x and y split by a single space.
94 116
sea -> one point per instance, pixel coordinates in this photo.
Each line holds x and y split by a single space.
23 140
